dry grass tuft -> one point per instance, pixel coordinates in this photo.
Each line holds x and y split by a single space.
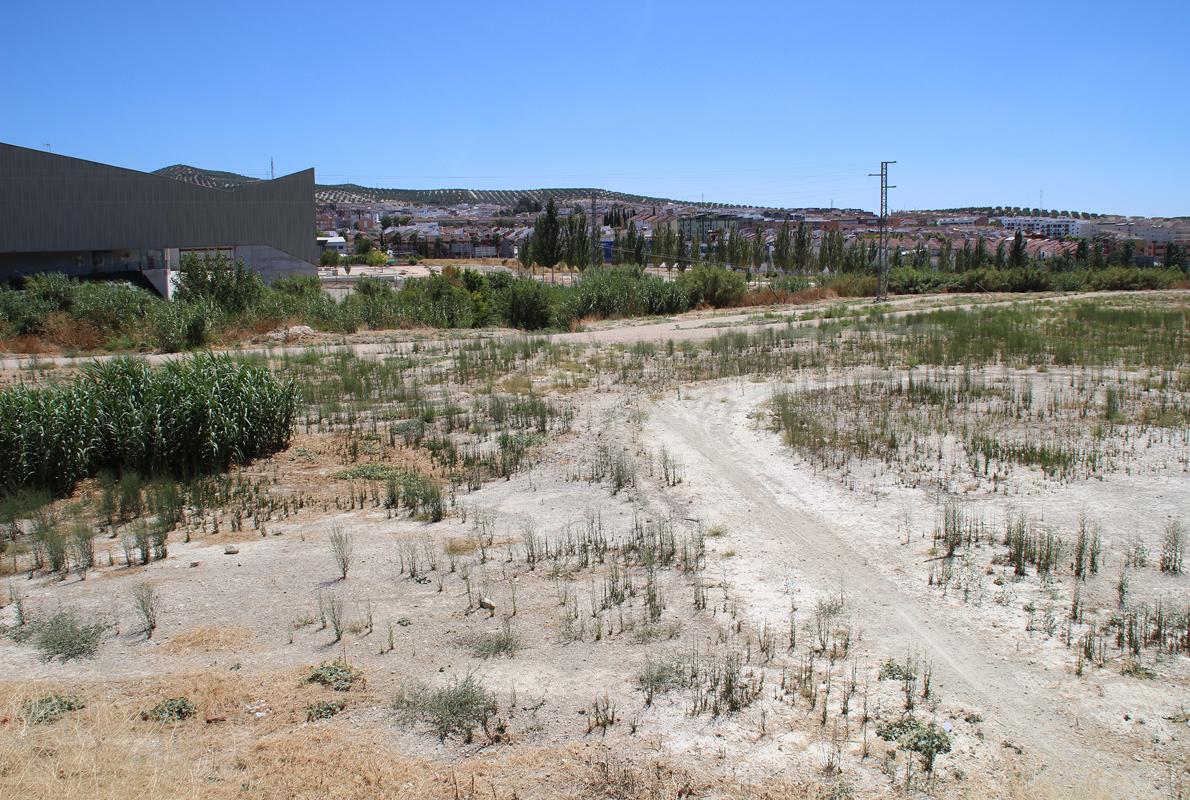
767 296
458 546
72 334
210 638
99 753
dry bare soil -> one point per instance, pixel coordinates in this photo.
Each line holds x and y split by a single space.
842 551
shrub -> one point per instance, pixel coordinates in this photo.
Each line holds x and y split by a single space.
372 472
338 675
492 645
82 547
324 709
144 601
892 670
713 286
226 284
438 301
178 326
926 739
66 636
791 283
48 542
850 284
342 549
623 291
1131 279
525 303
50 708
70 311
175 709
1173 548
456 709
660 676
908 280
112 306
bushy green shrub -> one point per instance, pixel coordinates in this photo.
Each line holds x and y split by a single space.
438 301
1001 280
892 670
527 304
927 739
712 286
623 291
112 307
175 327
1131 279
227 284
324 709
908 280
50 708
456 709
175 709
65 635
338 675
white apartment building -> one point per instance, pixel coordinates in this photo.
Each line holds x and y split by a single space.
1050 227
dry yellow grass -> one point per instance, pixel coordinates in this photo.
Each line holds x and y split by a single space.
458 546
210 638
107 752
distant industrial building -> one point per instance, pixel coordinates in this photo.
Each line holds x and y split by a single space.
700 226
81 218
335 244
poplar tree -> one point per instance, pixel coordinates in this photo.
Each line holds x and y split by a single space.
758 247
783 248
981 251
945 257
802 246
1019 255
547 237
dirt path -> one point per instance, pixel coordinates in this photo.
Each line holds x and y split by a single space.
734 478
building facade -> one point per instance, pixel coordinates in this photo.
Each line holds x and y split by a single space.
1049 227
81 218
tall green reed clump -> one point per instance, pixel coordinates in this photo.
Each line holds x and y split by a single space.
191 416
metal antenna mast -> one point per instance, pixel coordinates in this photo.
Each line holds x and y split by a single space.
882 265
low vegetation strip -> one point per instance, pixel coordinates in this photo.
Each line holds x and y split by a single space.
190 417
221 301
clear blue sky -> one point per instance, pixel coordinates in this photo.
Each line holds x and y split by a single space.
779 103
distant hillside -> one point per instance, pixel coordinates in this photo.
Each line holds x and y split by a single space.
207 178
354 193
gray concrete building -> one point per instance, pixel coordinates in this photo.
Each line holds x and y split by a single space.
81 218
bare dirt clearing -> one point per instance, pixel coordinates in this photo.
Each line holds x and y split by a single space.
798 536
889 551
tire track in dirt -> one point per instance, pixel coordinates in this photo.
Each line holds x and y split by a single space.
735 482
